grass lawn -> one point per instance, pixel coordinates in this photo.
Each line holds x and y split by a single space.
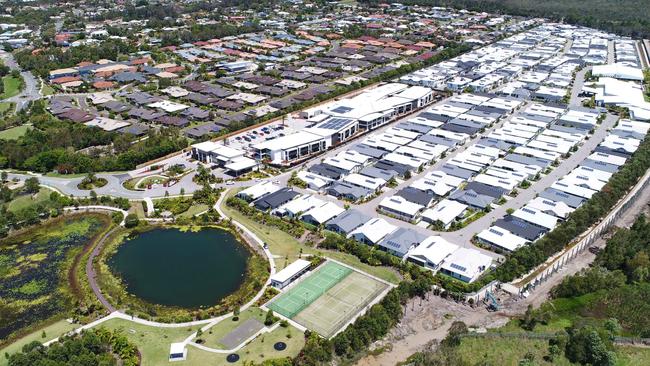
632 356
505 351
136 208
508 351
27 200
154 343
221 329
12 86
15 132
194 209
286 248
5 107
47 90
260 349
51 331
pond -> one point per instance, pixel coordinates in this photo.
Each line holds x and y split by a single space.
182 269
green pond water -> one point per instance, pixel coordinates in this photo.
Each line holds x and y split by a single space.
184 269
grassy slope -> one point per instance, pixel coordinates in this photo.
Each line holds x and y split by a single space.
508 351
12 86
15 132
216 333
194 210
5 107
154 344
51 331
283 245
26 200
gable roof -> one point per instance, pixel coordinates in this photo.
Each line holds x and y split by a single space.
401 240
348 221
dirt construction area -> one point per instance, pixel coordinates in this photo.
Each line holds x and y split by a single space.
428 319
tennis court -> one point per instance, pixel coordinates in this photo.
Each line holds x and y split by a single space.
341 303
329 298
311 288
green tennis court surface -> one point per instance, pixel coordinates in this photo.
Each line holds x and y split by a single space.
328 299
311 288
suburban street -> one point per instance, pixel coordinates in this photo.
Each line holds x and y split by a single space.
31 85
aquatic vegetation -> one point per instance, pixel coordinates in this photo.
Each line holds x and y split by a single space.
34 268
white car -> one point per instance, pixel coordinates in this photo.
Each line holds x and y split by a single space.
229 183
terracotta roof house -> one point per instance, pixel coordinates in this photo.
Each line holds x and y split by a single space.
103 84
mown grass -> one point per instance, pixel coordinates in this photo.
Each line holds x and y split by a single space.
26 200
286 249
51 331
214 335
153 344
47 90
5 107
12 86
13 133
194 210
257 351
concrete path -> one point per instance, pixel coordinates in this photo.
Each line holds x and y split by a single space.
92 275
98 208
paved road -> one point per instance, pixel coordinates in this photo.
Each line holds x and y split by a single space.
576 87
610 52
643 46
526 195
31 88
415 341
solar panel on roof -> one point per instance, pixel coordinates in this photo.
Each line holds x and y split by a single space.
496 232
335 123
341 109
459 267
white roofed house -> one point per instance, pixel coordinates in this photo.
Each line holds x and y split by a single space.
536 217
556 208
354 156
314 181
432 252
347 165
261 189
401 208
500 238
372 231
319 215
438 188
299 205
445 211
466 264
373 184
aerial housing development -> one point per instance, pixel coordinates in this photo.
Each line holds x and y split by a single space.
307 183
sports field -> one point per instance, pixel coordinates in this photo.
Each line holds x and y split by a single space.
311 288
328 299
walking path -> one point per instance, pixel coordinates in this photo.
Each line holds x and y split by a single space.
98 208
208 323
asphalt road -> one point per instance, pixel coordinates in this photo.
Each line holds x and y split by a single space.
31 88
